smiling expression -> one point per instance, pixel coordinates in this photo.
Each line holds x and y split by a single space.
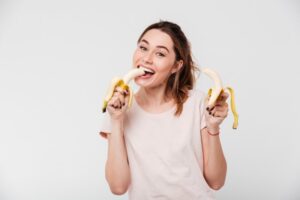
155 51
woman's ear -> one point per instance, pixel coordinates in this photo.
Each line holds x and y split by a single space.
177 66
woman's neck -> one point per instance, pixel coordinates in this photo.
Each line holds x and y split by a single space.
153 97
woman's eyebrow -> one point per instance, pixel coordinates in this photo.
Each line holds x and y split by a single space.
159 46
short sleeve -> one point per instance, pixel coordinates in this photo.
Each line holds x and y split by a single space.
202 111
105 125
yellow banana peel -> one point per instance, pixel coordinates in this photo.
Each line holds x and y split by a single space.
216 91
213 92
124 84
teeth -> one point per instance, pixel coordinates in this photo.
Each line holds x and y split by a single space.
124 84
146 69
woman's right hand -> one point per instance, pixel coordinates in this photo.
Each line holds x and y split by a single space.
117 105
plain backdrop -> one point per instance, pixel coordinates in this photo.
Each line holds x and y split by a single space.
56 62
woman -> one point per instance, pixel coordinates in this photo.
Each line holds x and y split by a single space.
167 145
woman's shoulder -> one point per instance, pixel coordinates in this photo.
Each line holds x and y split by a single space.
197 93
195 100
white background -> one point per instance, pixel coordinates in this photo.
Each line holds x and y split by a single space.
57 59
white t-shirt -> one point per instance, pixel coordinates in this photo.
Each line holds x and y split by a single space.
165 152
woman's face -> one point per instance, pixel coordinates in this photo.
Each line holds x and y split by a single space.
155 52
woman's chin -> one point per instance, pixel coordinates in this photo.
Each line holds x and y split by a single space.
140 83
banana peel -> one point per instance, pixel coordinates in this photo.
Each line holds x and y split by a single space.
124 84
213 92
217 90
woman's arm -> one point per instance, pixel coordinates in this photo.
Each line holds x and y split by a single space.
117 171
214 165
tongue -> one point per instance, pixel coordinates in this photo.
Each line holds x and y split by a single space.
147 75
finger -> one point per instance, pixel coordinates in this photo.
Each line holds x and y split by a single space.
121 91
223 96
208 108
124 105
122 95
119 104
115 106
212 111
121 98
221 101
126 100
115 101
218 109
222 108
112 106
111 101
220 112
222 105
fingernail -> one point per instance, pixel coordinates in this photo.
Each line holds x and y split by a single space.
207 108
209 112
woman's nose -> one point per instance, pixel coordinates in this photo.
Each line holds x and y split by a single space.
147 58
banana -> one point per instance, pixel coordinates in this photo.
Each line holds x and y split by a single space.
215 92
124 84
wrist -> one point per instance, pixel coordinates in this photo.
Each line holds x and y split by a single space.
117 124
117 120
213 130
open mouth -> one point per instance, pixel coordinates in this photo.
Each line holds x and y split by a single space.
148 72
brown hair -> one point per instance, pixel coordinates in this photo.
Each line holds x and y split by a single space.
179 83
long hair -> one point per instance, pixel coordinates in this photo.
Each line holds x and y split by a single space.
179 83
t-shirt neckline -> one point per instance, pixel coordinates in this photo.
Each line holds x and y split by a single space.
153 114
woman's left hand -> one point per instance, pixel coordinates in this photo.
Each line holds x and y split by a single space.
218 113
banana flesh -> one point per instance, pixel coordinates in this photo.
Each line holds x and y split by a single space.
213 92
216 91
124 84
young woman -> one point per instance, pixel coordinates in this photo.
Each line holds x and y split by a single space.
167 145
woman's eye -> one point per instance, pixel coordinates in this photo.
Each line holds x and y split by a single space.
143 48
160 54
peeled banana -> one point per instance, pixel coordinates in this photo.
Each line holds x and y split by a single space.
123 83
215 92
